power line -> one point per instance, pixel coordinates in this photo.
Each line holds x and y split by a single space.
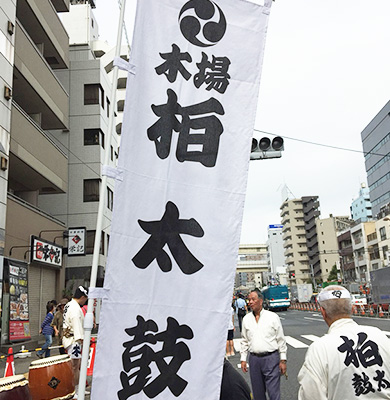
321 144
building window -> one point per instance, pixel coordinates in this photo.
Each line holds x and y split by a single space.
112 153
382 232
90 242
91 190
93 136
108 107
92 93
110 198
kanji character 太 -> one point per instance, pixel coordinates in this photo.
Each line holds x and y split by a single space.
167 231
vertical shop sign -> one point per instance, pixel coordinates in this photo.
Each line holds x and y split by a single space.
19 325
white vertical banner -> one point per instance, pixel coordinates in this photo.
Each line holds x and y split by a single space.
189 115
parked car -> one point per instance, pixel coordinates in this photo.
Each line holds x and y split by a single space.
359 299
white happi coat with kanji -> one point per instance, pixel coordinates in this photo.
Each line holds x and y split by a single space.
350 362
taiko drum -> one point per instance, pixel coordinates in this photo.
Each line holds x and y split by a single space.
51 379
14 388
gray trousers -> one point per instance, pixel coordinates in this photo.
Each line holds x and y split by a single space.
265 376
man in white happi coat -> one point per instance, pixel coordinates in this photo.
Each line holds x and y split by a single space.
73 330
351 361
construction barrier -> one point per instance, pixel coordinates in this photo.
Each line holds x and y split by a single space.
91 359
9 366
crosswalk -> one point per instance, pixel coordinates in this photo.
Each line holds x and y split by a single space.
296 343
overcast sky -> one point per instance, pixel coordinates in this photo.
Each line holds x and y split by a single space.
326 74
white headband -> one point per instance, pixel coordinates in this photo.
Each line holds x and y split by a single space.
333 294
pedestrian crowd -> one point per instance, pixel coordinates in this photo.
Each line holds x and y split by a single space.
351 360
65 321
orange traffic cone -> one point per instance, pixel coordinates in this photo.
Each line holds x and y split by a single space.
91 359
362 312
10 366
371 312
381 315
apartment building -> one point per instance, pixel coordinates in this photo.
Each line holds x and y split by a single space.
294 241
275 249
7 41
89 83
361 234
376 147
328 230
251 265
361 209
35 105
347 260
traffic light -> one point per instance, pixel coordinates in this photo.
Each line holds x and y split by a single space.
264 148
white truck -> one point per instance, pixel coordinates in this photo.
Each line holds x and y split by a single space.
301 292
380 285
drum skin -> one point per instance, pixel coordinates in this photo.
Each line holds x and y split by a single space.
14 388
51 379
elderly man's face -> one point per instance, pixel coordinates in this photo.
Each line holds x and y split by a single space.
255 303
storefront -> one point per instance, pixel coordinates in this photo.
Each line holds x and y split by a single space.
27 287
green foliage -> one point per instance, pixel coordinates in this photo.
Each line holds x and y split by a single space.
333 274
69 289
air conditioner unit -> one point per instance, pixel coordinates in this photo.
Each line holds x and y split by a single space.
10 28
4 164
7 93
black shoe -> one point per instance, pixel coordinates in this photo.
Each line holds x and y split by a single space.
39 355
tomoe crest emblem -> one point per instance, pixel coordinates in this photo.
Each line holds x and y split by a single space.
202 22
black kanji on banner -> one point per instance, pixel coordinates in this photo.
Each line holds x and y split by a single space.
366 352
167 231
214 73
140 354
201 147
174 64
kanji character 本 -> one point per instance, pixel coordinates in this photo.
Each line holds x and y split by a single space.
365 352
362 385
173 64
76 351
382 382
167 231
201 147
137 359
214 73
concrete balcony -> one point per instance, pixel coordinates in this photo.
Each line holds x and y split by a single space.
42 24
23 220
61 5
36 162
286 236
36 89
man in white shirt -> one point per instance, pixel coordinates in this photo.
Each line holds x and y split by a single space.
73 330
263 338
351 360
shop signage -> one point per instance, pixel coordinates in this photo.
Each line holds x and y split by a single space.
45 252
76 242
19 325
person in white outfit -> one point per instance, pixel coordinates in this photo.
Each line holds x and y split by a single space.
73 331
351 361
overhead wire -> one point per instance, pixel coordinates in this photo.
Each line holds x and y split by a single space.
320 144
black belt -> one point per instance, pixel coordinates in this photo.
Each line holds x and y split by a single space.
263 354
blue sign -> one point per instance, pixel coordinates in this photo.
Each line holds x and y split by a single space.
275 226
